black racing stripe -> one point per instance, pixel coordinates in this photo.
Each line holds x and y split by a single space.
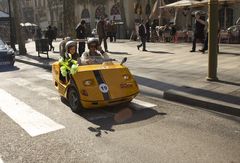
100 80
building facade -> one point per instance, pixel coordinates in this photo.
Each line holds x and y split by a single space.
125 12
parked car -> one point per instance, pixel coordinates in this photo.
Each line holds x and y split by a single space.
98 85
7 54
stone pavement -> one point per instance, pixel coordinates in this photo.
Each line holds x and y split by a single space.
170 71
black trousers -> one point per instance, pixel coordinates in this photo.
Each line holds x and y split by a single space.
114 35
104 42
205 45
196 37
81 48
143 43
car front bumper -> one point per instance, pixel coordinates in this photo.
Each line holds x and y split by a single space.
100 104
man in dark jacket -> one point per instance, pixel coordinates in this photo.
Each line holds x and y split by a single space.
143 35
50 36
198 31
81 34
102 33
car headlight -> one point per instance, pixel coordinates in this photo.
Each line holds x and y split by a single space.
88 82
126 77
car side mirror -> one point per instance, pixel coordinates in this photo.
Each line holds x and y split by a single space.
124 60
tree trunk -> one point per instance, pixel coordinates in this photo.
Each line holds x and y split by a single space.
20 40
69 18
123 16
50 5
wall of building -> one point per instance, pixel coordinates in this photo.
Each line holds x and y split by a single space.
45 15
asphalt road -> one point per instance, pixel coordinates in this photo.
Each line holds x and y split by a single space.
168 132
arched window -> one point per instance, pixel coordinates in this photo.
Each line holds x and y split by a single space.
115 12
100 12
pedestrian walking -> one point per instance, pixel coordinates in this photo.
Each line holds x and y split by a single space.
205 45
81 34
173 33
198 30
142 31
50 35
102 33
55 30
114 29
109 30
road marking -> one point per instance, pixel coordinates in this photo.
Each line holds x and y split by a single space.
42 91
1 161
33 122
138 104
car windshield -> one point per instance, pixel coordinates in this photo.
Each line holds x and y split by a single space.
2 45
97 60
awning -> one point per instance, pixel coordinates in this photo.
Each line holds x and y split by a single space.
194 3
220 1
180 4
27 24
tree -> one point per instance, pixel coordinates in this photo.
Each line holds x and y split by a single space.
50 6
69 18
123 16
20 40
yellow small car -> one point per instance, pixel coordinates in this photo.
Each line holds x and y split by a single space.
97 85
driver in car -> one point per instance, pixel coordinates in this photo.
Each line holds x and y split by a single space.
95 55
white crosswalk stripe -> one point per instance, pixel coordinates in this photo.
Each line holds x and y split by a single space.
40 90
139 104
33 122
1 161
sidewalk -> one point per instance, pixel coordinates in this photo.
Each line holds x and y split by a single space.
170 71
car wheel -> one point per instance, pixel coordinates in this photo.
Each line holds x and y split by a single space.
74 100
64 100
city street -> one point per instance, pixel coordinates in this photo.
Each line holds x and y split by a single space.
36 126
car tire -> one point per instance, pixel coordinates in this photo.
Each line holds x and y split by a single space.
74 100
64 100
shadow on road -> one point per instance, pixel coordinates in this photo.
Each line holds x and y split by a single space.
119 53
162 86
107 118
231 53
8 68
229 83
160 52
41 59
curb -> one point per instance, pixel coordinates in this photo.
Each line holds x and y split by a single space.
44 66
193 100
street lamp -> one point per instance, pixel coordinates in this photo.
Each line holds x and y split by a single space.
213 40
